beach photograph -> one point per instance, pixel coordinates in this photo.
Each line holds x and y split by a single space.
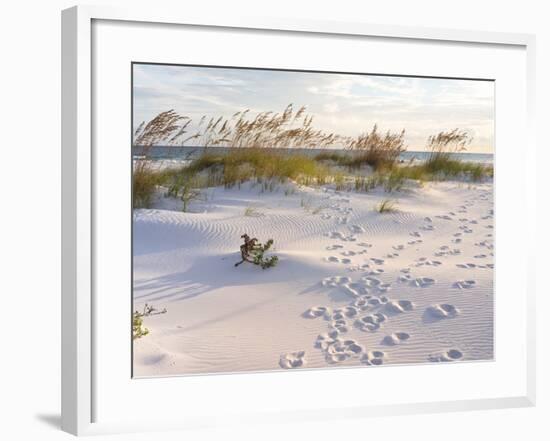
286 220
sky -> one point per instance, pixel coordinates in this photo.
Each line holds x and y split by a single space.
345 104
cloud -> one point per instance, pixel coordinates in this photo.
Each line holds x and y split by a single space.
339 103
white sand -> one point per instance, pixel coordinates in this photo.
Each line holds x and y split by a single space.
432 302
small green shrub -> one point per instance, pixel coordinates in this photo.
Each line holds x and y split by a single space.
138 330
265 262
253 251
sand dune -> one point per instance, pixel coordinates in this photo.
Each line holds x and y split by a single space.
352 287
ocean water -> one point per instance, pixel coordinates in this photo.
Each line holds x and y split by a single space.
183 154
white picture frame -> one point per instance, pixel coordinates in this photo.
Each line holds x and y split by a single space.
80 201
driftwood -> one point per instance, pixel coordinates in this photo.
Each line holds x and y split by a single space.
253 252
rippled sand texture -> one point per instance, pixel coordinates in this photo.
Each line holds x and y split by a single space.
352 287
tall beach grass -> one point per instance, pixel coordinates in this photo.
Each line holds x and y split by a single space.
259 154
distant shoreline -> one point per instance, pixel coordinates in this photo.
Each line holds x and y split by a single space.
177 153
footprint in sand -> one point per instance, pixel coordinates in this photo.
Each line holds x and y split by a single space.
348 253
364 245
457 240
371 301
353 291
375 358
444 217
357 229
464 284
424 261
363 267
292 360
466 265
335 281
384 287
374 272
446 251
342 210
395 339
450 355
398 247
338 350
326 216
362 303
370 322
427 227
375 301
422 282
377 261
399 306
414 242
349 311
317 311
442 311
334 247
335 259
392 255
485 244
415 234
358 286
341 236
338 325
480 256
427 219
371 282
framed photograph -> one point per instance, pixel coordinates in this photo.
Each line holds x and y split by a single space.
283 220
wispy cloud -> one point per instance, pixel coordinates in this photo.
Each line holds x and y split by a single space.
345 104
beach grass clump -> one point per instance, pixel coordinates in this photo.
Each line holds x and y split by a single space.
252 211
183 184
442 162
386 206
145 179
266 167
368 183
339 181
380 151
443 146
144 184
334 157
